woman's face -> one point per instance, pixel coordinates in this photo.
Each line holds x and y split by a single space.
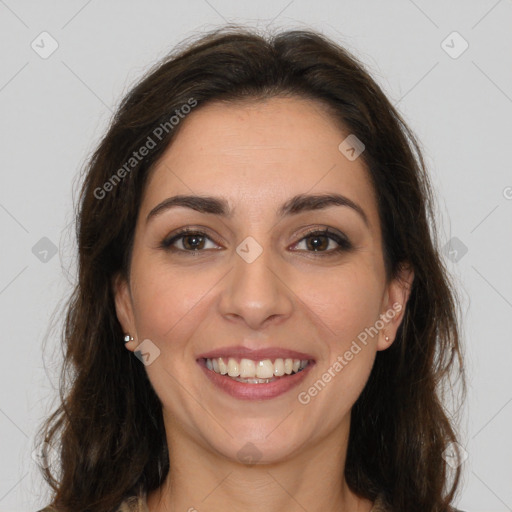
256 279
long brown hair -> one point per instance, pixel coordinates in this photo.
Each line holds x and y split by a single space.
110 424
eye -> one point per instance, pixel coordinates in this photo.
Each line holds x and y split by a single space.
194 241
188 240
319 241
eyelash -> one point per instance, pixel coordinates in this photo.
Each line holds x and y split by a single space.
344 245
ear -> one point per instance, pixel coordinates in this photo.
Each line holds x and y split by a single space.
393 306
124 308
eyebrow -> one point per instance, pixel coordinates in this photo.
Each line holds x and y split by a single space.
219 206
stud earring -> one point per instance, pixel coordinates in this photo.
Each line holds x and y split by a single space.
128 338
387 338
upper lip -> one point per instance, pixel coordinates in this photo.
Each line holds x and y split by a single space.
256 355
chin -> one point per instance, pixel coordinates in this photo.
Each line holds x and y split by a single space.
258 447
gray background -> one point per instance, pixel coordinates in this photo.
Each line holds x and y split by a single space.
54 110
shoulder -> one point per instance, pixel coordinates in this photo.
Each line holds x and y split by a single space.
136 503
130 504
380 505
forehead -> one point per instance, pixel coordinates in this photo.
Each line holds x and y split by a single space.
260 153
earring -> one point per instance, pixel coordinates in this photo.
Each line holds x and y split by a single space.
128 338
387 338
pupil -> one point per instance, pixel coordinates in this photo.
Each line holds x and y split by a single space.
315 242
196 240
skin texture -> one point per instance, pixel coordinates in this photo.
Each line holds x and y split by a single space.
257 155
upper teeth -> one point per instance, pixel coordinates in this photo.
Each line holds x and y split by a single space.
247 368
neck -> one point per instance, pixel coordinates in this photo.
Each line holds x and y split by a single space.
311 479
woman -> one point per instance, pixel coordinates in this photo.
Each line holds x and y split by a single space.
262 319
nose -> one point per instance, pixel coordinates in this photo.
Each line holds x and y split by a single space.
256 293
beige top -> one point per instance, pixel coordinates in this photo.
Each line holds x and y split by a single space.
138 504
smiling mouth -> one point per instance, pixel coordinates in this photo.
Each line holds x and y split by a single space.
249 371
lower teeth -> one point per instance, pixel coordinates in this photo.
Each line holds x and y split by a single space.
260 381
253 381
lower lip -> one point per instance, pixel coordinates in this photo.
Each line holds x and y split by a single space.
246 391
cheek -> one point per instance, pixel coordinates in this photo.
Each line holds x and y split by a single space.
168 302
345 302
